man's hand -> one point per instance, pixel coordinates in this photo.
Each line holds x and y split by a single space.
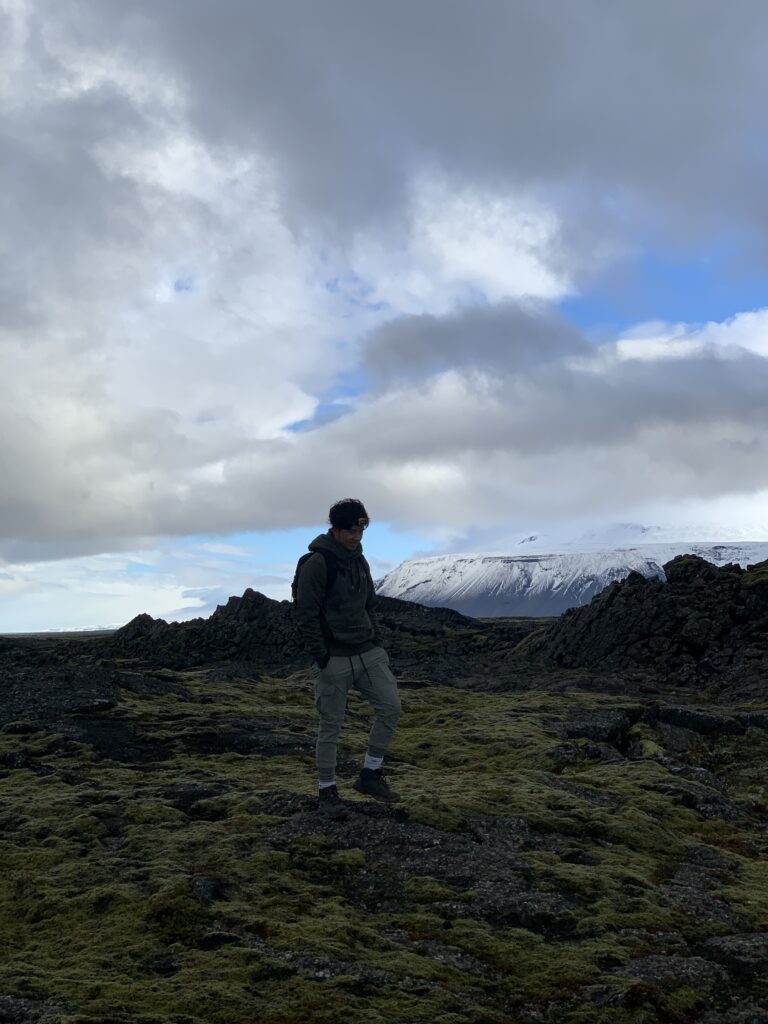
322 662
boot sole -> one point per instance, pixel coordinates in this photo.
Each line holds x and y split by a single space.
335 816
374 796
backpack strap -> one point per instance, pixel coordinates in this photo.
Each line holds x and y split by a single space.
370 577
331 570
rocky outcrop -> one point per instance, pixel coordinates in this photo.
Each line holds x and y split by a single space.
704 622
433 643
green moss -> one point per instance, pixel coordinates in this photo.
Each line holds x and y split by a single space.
685 1001
755 575
347 859
547 970
429 890
644 737
249 924
174 916
750 893
531 641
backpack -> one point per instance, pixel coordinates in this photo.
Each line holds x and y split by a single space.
331 568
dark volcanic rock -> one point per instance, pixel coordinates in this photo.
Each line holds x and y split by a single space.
47 691
694 887
704 622
433 643
482 869
250 628
16 1010
742 955
744 1013
602 727
705 722
670 972
40 691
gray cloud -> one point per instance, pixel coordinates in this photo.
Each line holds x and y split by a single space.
554 442
563 410
550 442
126 416
613 108
507 336
59 205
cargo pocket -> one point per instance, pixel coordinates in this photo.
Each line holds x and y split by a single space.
330 696
380 661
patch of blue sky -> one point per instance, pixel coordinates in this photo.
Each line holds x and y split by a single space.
356 293
692 288
140 569
184 284
351 383
235 546
326 412
335 402
275 553
472 296
207 416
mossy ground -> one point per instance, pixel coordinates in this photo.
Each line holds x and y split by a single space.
128 898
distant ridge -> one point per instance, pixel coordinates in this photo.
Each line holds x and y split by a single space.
542 584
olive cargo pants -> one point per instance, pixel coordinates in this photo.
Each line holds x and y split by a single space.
370 674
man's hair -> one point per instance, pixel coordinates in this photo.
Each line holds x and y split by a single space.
347 513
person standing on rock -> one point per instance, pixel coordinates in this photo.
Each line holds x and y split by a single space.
334 599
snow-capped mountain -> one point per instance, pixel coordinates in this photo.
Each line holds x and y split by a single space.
541 584
609 536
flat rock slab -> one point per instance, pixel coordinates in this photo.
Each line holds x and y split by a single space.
668 973
742 955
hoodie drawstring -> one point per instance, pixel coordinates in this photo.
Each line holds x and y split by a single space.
365 668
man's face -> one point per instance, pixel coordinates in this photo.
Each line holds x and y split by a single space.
349 539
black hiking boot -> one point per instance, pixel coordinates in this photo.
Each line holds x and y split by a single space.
371 782
331 805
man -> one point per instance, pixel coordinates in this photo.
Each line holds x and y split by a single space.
335 617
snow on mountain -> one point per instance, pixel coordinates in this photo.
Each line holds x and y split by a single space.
609 536
541 584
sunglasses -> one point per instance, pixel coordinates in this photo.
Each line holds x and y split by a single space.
362 523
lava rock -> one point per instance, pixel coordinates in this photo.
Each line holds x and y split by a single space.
703 623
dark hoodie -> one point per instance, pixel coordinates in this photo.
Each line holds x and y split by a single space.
344 622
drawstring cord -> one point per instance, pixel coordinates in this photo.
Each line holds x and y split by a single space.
365 669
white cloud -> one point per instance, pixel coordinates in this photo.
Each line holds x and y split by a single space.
179 325
87 593
212 227
460 242
658 341
225 549
747 331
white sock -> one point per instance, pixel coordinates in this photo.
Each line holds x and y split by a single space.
325 785
373 762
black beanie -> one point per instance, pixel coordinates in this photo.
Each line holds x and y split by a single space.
347 513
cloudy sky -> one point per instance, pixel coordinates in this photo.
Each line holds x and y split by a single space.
496 267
